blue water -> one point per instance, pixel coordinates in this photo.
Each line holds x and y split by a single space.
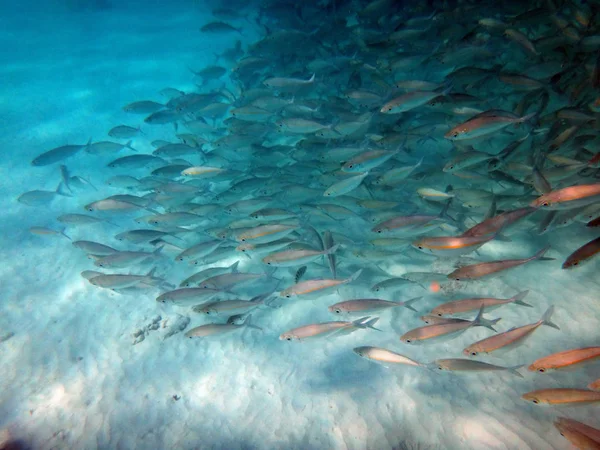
74 371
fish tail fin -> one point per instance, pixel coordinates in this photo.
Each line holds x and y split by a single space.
408 303
541 253
62 231
248 323
481 322
128 145
354 276
514 370
60 190
529 118
332 250
312 79
518 299
234 267
546 318
366 322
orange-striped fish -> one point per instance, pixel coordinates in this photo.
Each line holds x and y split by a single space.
510 338
567 358
480 270
579 434
562 396
582 254
473 304
309 286
569 197
451 245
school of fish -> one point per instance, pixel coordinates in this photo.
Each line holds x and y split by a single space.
348 137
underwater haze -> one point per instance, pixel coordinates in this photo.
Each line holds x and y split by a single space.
274 224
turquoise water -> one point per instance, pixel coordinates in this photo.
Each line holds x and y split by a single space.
91 367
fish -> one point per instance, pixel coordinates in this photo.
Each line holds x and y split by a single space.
292 258
411 100
510 338
595 385
487 269
217 27
484 124
579 434
265 233
126 258
316 285
582 254
218 329
569 197
446 330
43 231
288 83
468 365
188 296
58 154
369 304
124 132
451 245
142 107
345 186
473 304
94 248
384 356
562 396
328 329
565 359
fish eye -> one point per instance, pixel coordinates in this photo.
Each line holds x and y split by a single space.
421 248
90 209
269 263
287 296
473 353
288 338
541 370
350 166
457 279
440 314
337 311
408 340
243 240
455 134
535 401
440 367
545 204
207 312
